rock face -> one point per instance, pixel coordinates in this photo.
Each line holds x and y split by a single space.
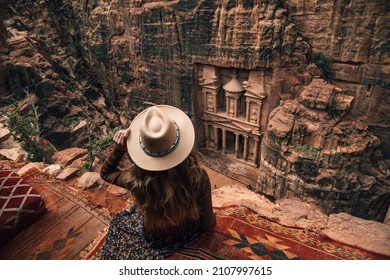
312 150
99 55
9 148
111 56
93 65
353 34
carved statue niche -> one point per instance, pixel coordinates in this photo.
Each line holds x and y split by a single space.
210 103
254 95
210 89
253 113
231 108
211 137
252 149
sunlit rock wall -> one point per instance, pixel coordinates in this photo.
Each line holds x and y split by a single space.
311 149
120 54
354 35
93 64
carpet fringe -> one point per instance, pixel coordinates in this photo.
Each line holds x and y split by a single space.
91 246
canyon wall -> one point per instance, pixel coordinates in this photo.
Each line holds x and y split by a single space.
124 53
311 149
354 35
131 52
94 64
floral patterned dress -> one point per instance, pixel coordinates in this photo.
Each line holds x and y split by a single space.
127 239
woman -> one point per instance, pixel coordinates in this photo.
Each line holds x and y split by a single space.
172 193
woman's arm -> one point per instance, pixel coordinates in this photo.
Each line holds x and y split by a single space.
110 171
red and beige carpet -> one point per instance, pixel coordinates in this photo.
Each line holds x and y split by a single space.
240 234
73 229
64 232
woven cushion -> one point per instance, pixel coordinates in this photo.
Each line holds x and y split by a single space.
20 204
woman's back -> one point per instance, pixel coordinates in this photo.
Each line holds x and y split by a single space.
172 193
168 199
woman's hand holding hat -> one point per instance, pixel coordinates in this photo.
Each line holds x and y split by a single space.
120 138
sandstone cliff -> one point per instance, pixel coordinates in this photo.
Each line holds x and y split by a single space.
354 36
124 53
313 151
93 64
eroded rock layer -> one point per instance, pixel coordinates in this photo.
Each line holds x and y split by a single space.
312 150
90 66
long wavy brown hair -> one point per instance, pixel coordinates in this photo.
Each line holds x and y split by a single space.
167 198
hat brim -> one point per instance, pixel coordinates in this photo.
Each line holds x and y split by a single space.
186 142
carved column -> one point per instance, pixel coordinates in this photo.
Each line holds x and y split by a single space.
236 147
215 102
204 101
215 138
227 105
256 152
223 141
245 156
258 112
235 113
248 105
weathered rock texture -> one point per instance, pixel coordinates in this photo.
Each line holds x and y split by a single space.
354 35
106 55
312 150
99 55
93 64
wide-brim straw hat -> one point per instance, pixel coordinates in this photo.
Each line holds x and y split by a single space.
161 137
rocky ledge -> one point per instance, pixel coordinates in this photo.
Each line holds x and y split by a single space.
290 212
293 212
314 149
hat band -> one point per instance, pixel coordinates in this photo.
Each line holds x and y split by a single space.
165 152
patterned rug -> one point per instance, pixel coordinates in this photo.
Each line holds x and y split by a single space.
240 234
64 232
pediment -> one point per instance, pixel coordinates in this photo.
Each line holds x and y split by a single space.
228 123
255 91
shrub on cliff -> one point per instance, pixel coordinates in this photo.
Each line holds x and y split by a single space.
25 129
320 60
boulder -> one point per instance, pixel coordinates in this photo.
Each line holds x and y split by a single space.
16 154
68 173
366 234
53 169
68 156
117 191
4 133
89 180
32 165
